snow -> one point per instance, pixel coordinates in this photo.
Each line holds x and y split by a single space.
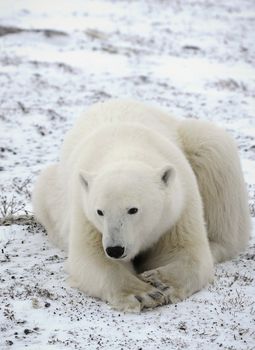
194 58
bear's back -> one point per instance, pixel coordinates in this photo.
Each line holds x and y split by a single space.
119 112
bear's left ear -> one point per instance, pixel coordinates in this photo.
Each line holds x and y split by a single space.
85 179
167 174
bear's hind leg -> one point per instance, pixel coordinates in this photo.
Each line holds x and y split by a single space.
213 156
220 252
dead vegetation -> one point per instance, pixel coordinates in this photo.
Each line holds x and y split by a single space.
12 211
49 33
10 207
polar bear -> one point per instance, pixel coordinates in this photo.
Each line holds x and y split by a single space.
144 204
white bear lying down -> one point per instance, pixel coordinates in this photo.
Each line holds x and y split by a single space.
144 203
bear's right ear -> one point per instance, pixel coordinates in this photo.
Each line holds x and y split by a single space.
85 179
167 174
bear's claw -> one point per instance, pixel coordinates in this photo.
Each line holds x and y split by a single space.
139 298
152 278
159 285
157 295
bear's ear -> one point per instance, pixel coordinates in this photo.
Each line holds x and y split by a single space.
85 179
167 174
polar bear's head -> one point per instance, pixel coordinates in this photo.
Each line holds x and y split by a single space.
132 205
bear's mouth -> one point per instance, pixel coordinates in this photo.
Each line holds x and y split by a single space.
120 258
116 259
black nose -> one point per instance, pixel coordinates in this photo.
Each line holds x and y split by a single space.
115 252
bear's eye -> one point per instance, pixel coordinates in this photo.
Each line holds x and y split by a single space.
99 212
132 211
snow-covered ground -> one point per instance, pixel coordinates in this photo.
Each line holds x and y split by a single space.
194 57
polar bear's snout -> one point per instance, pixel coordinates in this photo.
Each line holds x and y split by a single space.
114 231
115 252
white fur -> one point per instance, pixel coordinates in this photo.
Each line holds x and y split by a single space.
182 176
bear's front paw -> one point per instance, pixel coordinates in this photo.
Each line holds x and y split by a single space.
137 301
153 277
